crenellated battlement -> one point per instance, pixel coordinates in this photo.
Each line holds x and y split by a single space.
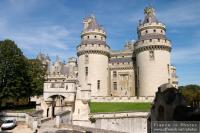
148 42
93 48
93 31
59 77
151 25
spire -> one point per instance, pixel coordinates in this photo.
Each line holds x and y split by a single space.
149 15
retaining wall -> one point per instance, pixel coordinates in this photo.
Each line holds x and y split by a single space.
121 99
18 116
131 122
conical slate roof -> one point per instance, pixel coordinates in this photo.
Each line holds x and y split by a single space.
92 23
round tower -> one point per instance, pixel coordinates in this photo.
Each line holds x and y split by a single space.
93 53
152 51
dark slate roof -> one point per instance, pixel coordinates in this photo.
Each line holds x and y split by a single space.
93 24
93 41
64 70
120 60
152 36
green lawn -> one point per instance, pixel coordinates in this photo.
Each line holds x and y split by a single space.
96 107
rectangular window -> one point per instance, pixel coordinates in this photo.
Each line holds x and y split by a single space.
86 71
168 68
114 74
62 85
86 59
98 84
66 87
115 85
52 85
151 55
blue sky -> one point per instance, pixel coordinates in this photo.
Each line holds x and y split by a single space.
53 27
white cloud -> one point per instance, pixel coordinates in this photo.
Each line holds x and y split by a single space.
181 14
186 55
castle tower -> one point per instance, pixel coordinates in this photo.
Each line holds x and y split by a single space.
93 53
152 51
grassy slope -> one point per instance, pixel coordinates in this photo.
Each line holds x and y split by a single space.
96 107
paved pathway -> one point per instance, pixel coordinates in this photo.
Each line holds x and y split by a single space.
20 128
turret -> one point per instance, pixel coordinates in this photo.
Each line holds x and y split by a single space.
93 53
152 51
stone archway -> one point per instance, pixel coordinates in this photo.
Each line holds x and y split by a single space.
57 104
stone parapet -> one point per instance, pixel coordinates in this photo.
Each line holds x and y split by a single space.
148 42
93 31
119 115
121 99
59 76
93 49
151 25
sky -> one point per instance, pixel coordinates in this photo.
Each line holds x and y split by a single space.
53 27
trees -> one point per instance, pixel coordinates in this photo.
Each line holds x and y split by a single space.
191 93
14 81
19 77
37 74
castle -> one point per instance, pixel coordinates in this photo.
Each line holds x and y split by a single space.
135 71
